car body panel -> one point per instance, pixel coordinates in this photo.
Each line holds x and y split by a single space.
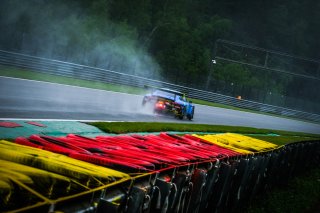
169 101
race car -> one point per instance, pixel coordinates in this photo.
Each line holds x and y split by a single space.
166 101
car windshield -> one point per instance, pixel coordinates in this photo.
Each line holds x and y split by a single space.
163 94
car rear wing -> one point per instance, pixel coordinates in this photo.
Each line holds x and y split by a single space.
165 90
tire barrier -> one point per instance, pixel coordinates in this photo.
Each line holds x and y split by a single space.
150 173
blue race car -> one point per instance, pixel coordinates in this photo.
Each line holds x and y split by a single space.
170 101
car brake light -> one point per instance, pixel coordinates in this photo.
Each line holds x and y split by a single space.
160 105
167 179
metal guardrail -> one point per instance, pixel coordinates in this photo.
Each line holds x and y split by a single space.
72 70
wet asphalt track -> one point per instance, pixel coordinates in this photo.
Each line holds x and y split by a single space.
24 99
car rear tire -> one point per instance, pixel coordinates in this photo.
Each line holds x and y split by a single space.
190 116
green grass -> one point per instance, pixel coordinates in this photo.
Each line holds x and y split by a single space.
126 127
196 101
282 140
31 75
263 134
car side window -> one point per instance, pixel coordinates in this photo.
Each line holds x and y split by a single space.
180 98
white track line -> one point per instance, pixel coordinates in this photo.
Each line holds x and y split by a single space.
33 119
67 85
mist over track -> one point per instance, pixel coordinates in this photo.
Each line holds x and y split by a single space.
26 99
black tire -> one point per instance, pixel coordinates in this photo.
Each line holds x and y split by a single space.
190 116
182 113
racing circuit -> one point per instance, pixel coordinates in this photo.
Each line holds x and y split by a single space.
27 99
127 172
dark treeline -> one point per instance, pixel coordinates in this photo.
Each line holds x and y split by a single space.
175 41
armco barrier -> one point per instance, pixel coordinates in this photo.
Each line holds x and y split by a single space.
156 173
78 71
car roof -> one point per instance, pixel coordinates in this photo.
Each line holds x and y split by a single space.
171 91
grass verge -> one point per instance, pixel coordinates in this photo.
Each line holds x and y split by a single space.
32 75
263 134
